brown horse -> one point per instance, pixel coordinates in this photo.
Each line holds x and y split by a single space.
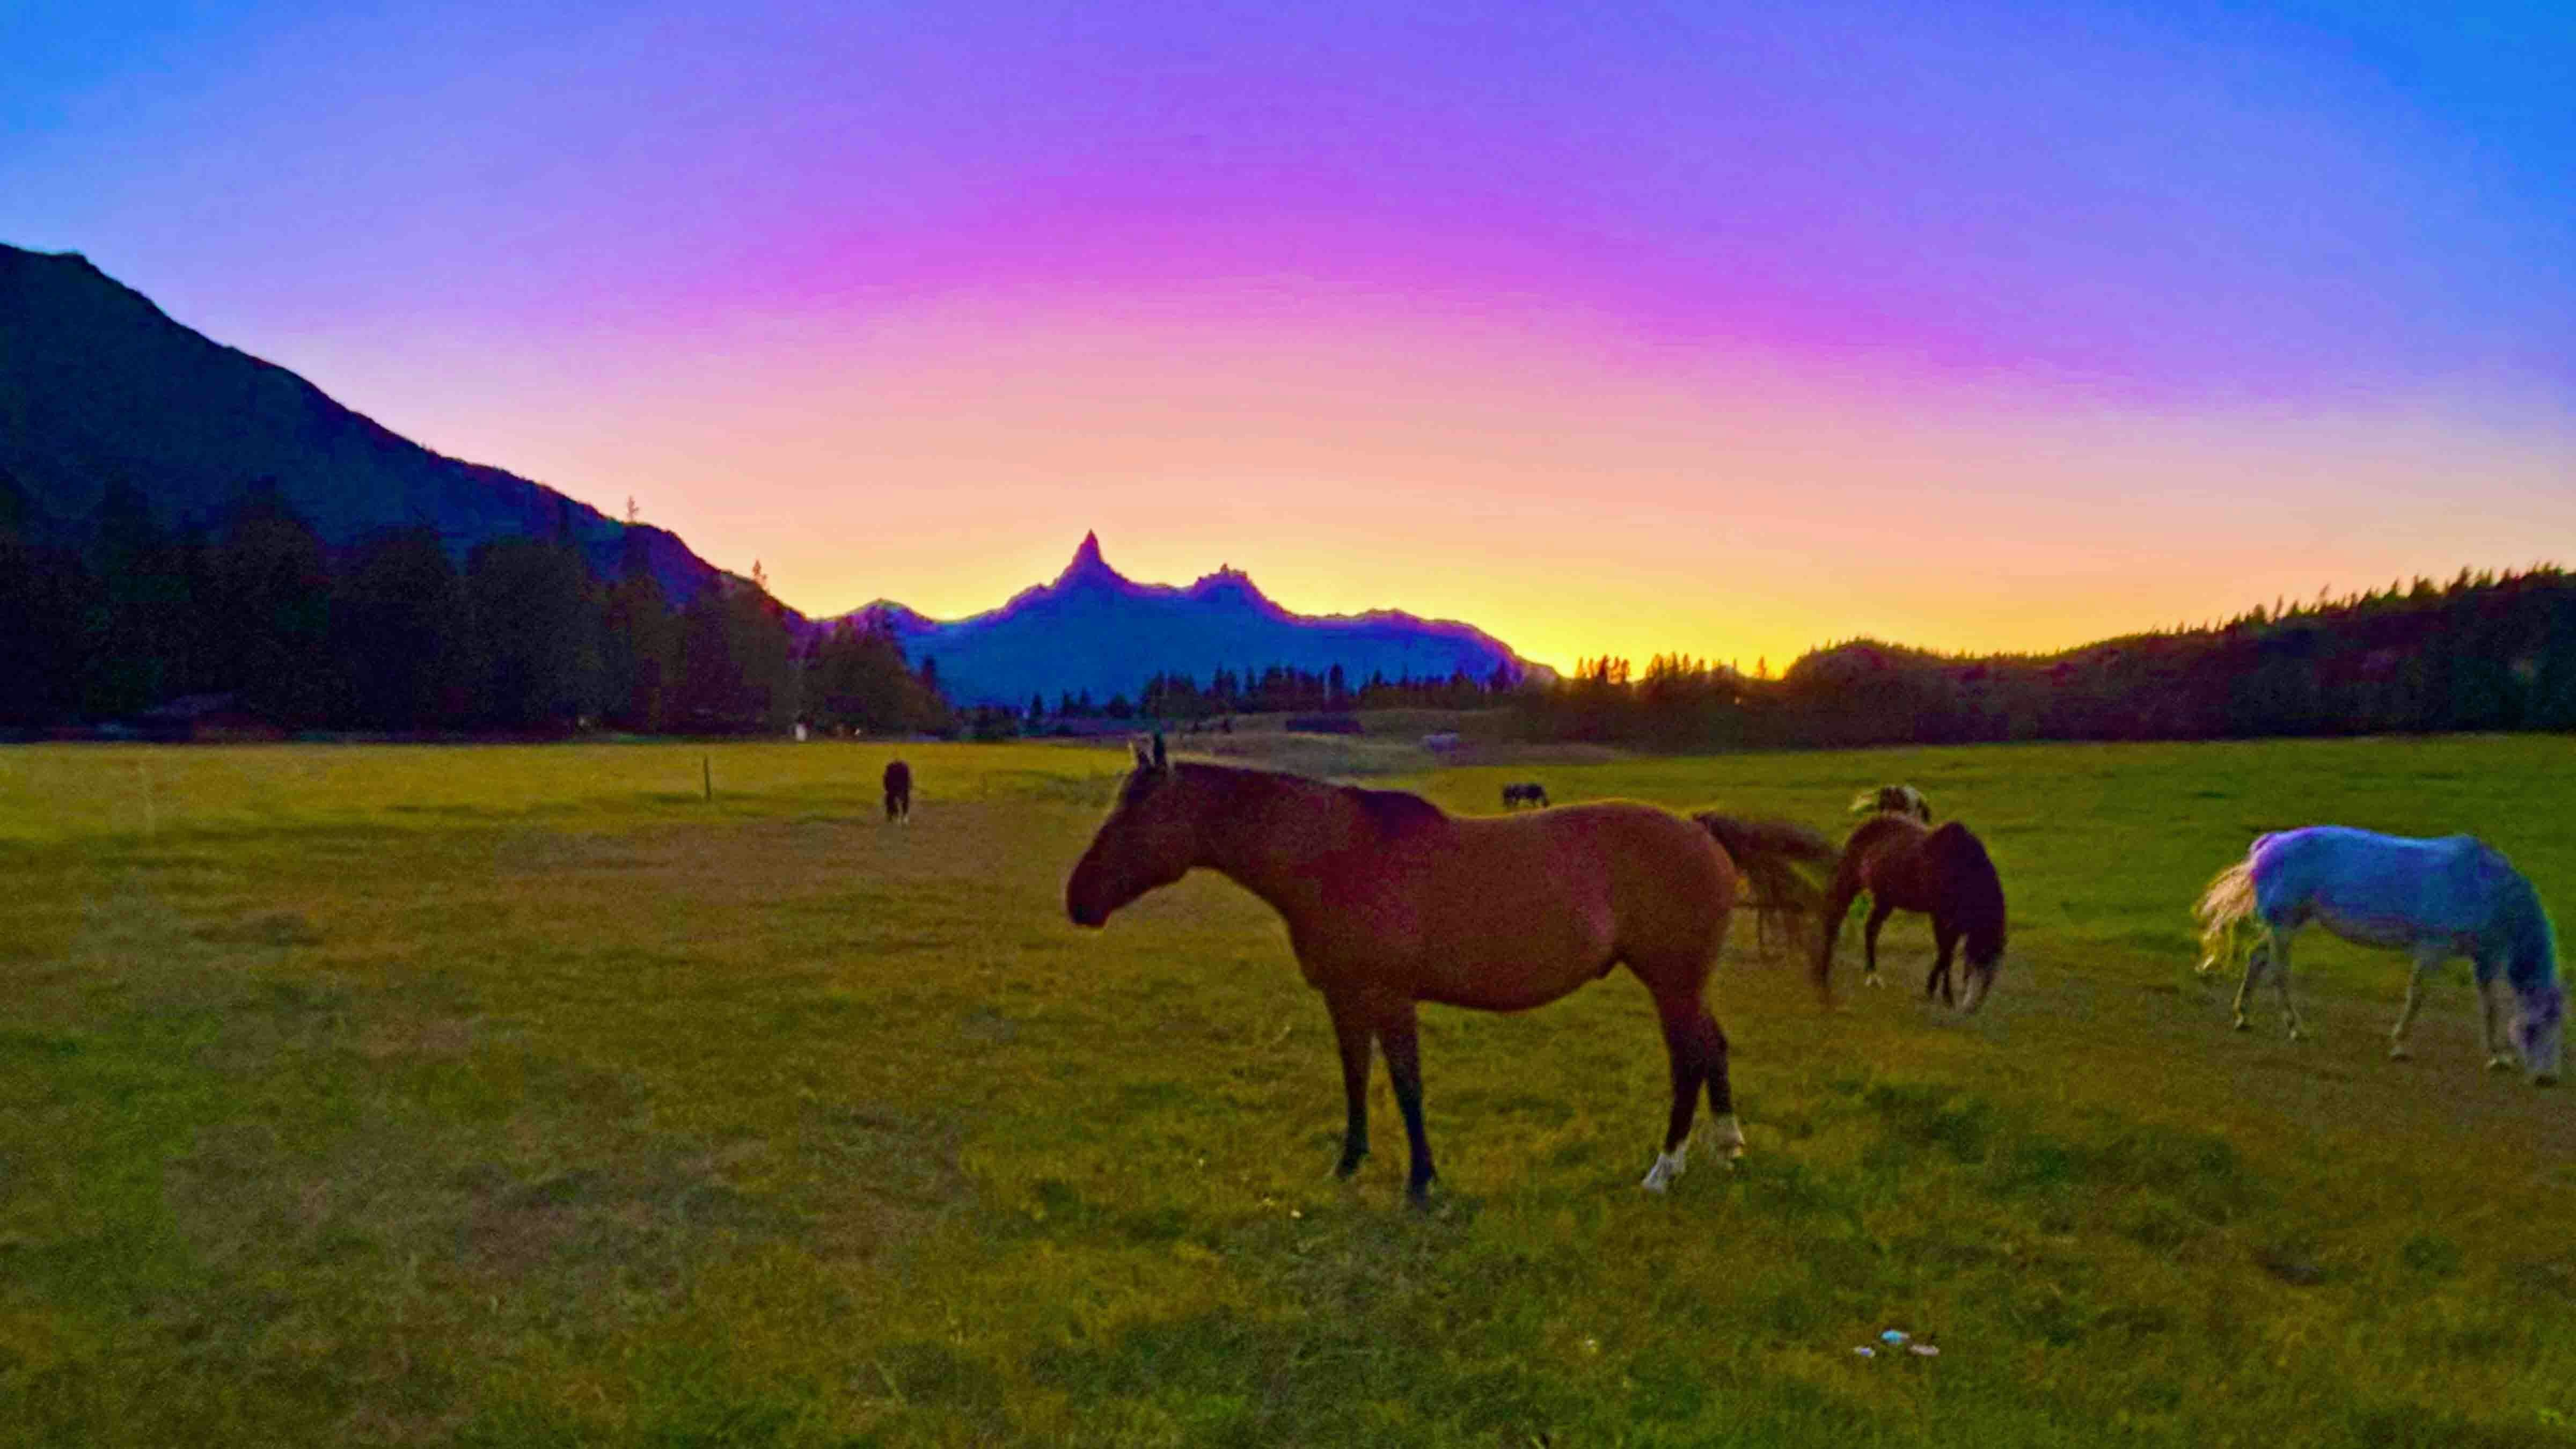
1944 872
898 792
1390 902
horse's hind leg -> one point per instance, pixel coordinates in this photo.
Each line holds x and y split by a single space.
1721 1093
2426 958
2281 981
2256 960
1351 1030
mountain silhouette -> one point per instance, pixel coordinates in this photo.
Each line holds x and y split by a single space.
1094 629
99 387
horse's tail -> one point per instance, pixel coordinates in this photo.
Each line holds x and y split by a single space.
1769 853
2228 900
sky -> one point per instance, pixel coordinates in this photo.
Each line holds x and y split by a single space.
1729 331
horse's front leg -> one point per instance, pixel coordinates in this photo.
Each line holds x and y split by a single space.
1879 911
1396 1034
2426 958
1351 1031
2490 1012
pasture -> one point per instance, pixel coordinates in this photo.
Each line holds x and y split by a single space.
523 1096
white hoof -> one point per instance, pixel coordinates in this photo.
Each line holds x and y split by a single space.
2499 1064
1872 981
1727 1137
2242 1024
1668 1165
2397 1052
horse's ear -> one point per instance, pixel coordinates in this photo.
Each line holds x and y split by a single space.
1161 760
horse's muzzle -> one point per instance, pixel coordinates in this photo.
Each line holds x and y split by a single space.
1089 916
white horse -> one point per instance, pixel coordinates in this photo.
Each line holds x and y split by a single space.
2455 896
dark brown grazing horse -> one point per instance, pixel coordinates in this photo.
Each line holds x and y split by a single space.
1525 794
1391 901
898 792
1906 867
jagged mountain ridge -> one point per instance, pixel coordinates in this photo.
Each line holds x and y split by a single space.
99 386
1094 629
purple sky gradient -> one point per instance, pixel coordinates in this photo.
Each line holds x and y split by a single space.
1001 273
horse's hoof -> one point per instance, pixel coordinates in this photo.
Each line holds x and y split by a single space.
1349 1167
1418 1195
2498 1064
2399 1053
2243 1025
2297 1035
1728 1137
1668 1165
2545 1079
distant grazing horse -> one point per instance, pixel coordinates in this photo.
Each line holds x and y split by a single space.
1893 800
898 792
2455 896
1905 867
1391 901
1530 793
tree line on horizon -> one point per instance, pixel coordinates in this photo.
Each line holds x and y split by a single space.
522 637
2485 651
393 635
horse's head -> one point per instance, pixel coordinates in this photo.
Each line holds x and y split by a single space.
2535 1031
1149 840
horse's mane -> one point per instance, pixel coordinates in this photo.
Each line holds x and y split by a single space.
1970 879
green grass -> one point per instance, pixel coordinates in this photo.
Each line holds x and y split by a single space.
523 1096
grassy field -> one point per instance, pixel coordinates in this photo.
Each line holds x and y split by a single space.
523 1096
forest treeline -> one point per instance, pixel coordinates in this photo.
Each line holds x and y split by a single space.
2482 652
523 637
394 635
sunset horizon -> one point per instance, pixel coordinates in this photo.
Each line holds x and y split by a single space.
1714 336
